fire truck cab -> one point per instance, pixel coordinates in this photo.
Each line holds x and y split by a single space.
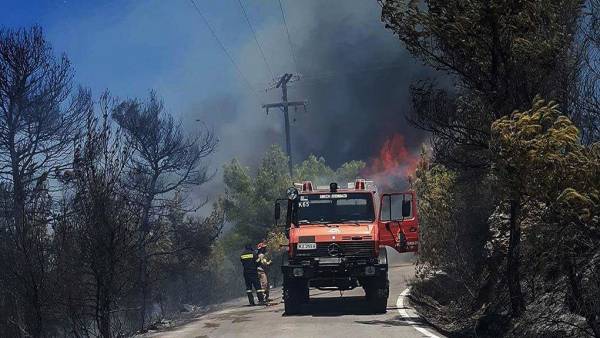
338 239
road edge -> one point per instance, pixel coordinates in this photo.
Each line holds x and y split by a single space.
404 309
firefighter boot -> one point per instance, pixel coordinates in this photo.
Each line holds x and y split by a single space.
261 297
251 298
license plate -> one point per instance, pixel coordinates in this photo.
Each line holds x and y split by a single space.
307 246
330 260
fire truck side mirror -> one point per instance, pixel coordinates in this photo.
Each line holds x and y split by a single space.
277 212
406 209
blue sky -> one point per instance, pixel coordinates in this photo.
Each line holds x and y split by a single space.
131 46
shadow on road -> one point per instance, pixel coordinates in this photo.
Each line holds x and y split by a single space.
337 306
396 321
353 306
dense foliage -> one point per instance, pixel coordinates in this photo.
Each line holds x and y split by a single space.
508 194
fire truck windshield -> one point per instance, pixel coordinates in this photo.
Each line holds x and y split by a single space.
335 208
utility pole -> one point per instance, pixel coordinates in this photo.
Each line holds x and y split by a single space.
284 105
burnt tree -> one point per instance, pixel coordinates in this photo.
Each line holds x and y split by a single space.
105 219
37 126
164 160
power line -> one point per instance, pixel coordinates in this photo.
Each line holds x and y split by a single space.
262 53
214 34
353 72
288 36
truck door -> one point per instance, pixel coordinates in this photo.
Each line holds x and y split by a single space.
399 222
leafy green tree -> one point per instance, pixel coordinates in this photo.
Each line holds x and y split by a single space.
350 171
314 169
447 242
249 200
435 187
248 204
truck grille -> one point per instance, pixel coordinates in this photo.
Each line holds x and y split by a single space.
362 249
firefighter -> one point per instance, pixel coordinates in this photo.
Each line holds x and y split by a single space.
263 265
249 262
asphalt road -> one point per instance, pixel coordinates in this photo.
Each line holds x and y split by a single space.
327 315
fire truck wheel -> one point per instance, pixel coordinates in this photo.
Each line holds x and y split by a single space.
295 294
377 291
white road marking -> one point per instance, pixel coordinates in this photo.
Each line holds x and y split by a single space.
404 312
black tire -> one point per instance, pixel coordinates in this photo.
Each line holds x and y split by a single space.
377 291
295 295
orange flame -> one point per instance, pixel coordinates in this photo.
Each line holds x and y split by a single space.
394 165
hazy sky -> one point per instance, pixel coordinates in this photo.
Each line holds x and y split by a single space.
356 72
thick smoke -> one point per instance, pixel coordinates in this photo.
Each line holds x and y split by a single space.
352 113
355 76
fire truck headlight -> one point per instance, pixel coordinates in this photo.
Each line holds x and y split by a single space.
298 272
292 193
370 270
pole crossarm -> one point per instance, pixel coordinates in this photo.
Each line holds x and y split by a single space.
284 104
284 79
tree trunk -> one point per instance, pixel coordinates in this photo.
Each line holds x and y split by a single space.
574 293
486 289
37 329
142 272
144 230
514 260
23 245
103 305
104 322
143 286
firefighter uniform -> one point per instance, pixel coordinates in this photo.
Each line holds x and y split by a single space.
263 264
248 259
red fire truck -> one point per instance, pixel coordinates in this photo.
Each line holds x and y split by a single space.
338 239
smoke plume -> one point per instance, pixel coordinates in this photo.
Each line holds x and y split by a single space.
355 76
